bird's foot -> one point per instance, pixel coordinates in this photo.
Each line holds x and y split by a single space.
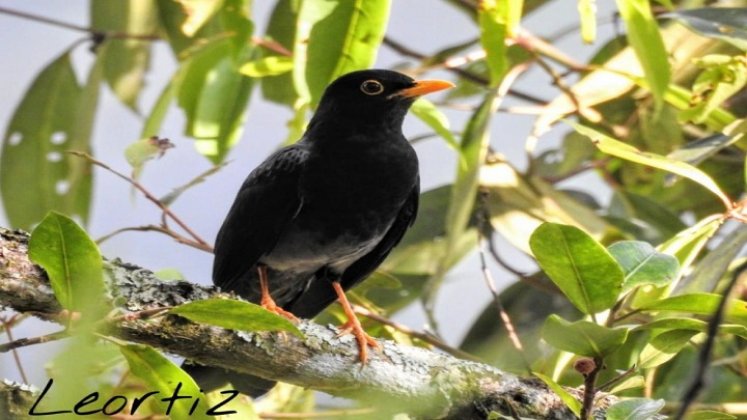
271 306
353 326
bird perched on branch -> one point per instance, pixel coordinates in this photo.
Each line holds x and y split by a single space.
317 217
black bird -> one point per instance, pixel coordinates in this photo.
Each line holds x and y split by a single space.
317 217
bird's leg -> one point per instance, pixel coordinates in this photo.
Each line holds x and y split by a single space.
266 301
353 326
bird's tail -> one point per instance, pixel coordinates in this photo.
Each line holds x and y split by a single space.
210 378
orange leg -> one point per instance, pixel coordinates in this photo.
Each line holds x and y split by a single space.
267 302
353 326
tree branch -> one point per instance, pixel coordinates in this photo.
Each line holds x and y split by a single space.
414 380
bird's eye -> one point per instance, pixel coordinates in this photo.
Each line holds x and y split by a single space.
372 87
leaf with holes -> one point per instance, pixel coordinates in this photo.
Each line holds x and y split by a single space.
580 266
643 265
55 116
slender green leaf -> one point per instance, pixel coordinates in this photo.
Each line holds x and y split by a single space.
646 40
692 325
643 265
126 60
435 119
583 270
493 17
169 198
633 382
663 347
709 415
701 304
197 13
334 38
584 338
55 116
634 409
472 151
625 151
282 30
725 23
587 11
235 315
711 269
267 66
214 96
157 114
573 404
162 375
72 262
697 151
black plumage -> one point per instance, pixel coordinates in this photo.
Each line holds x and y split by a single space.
327 209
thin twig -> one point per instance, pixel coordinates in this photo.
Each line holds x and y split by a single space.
160 229
475 78
8 325
423 336
23 342
79 28
590 389
704 356
165 209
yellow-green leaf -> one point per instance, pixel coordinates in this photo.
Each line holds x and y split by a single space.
235 315
268 66
587 12
573 404
625 151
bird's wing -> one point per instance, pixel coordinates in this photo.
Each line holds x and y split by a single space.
266 203
320 294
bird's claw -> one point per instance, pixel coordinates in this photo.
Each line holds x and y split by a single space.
364 340
274 308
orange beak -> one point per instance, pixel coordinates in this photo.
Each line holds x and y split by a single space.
423 87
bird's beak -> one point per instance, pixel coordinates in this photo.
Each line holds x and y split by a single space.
423 87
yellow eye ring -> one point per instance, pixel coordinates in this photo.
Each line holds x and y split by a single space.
372 87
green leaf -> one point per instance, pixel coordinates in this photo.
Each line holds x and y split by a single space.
282 30
625 151
169 274
692 324
493 19
472 151
126 60
701 304
634 409
643 265
725 23
633 382
153 123
587 11
573 404
645 39
72 262
584 338
709 415
214 96
711 269
267 66
334 38
435 119
722 77
169 198
55 116
235 315
143 150
583 270
696 151
162 375
197 13
663 347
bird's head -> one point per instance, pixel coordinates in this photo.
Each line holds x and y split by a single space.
373 98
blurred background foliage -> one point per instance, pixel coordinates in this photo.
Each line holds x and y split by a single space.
656 118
